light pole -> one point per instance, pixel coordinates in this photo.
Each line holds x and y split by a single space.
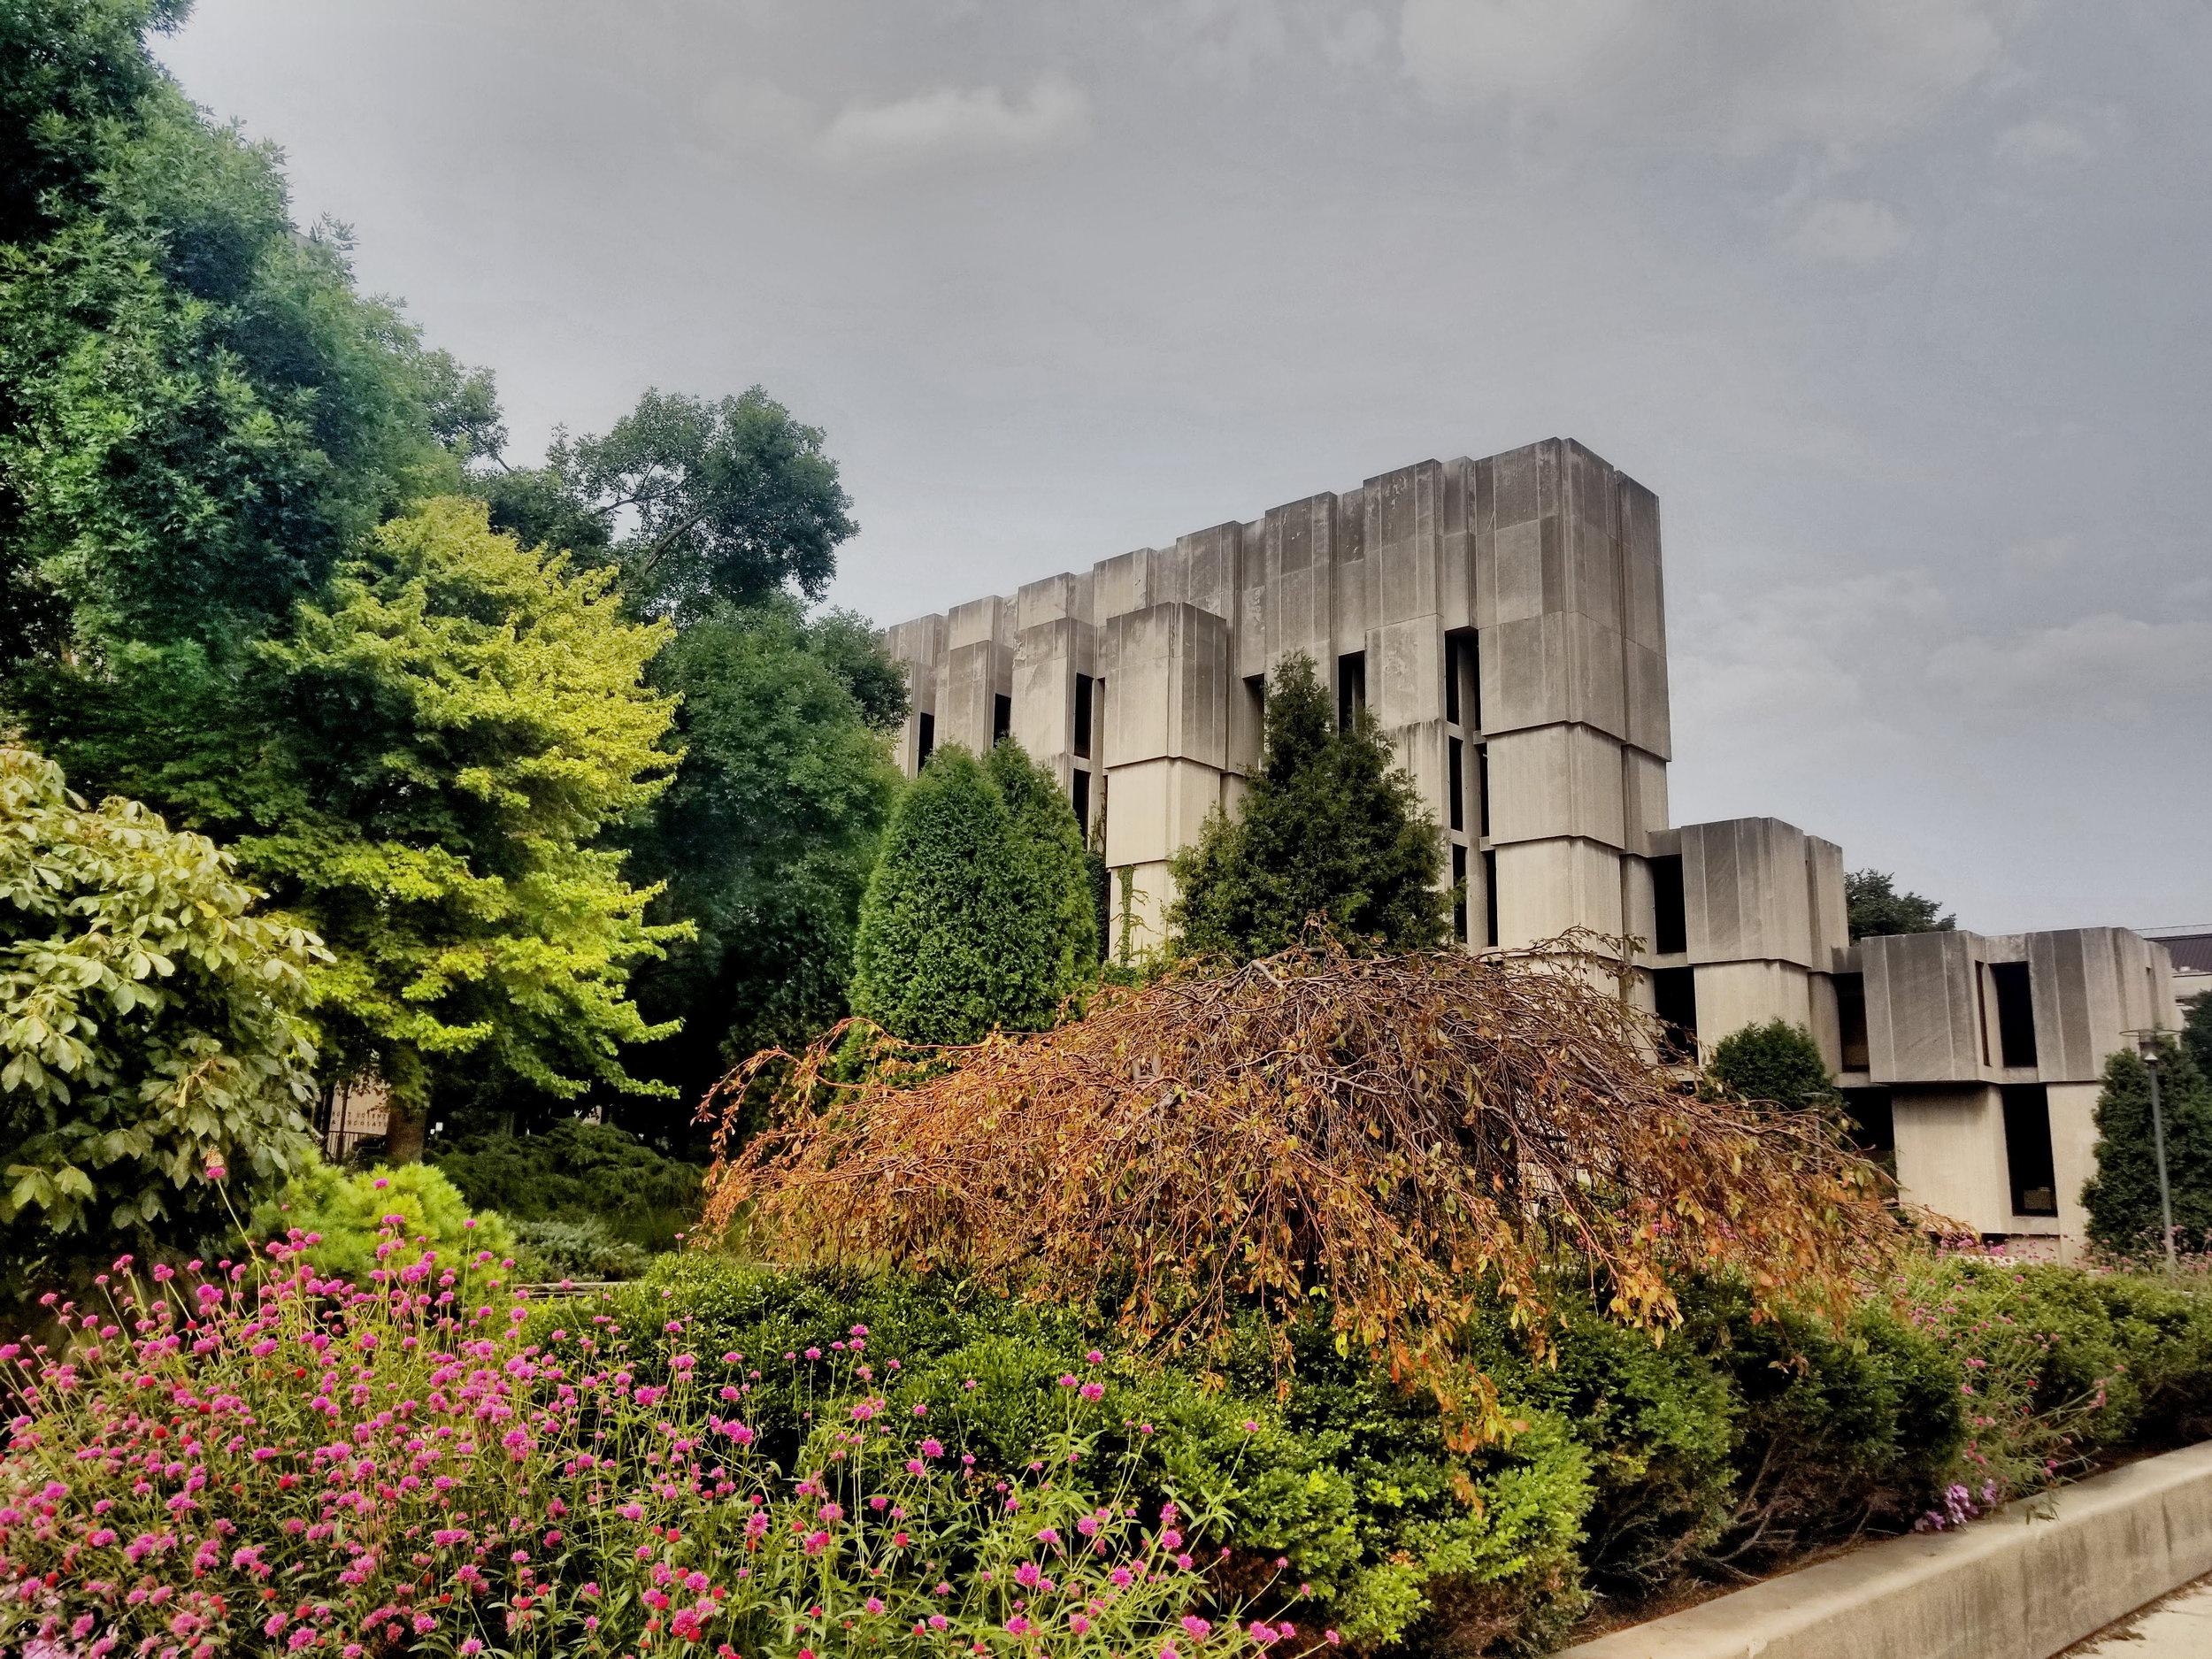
2148 1047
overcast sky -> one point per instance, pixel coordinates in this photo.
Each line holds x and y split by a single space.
1902 306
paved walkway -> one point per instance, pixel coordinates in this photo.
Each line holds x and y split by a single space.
2178 1627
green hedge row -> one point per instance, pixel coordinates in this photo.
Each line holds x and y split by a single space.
1734 1444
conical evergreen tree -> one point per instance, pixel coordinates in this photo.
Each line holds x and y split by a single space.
1331 827
1049 842
979 915
2122 1198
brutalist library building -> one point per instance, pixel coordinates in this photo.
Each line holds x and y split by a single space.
1505 620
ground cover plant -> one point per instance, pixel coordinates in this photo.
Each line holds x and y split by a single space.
249 1457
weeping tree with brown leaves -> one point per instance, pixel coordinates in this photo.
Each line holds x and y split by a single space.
1395 1145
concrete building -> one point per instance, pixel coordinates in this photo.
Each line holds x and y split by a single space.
1505 619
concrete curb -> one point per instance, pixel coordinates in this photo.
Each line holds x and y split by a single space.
2013 1586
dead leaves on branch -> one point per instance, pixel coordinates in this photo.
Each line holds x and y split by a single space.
1379 1141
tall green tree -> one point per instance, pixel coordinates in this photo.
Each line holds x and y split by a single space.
153 1024
2196 1032
459 727
701 502
765 838
964 929
1331 826
1875 906
1776 1061
2122 1198
198 413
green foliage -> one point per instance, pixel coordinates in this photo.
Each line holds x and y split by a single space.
1834 1433
2122 1197
154 1028
1349 1478
459 724
342 1211
576 1172
967 925
197 413
2196 1031
1329 828
1875 906
1777 1062
586 1249
766 836
731 502
1049 842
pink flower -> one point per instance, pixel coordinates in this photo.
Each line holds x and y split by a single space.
931 1449
816 1542
1093 1391
1019 1626
873 1604
1198 1628
1080 1625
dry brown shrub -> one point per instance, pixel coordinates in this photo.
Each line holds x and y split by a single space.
1379 1140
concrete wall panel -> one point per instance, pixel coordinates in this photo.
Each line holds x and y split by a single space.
1951 1154
1546 887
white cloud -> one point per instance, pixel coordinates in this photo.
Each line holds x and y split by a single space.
950 123
2041 142
946 124
1522 49
2114 665
1857 233
1742 75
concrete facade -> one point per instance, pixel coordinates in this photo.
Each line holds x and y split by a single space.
1984 1054
1505 619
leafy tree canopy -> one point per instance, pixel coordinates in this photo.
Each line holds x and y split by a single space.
965 926
153 1025
1875 906
1330 828
701 502
2122 1198
198 415
2196 1032
1775 1061
460 724
765 837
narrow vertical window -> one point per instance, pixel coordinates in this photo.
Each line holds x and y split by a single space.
1351 688
1459 891
1482 788
1083 717
1851 1020
1490 898
1083 803
2016 1013
1451 679
926 741
2028 1159
1669 918
1001 717
1674 1001
1459 784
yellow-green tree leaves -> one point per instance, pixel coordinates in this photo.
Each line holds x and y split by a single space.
460 722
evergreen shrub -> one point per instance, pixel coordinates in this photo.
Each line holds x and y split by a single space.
577 1171
2122 1198
1777 1062
968 924
582 1249
345 1210
1331 826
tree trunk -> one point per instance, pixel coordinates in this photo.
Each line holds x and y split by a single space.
405 1127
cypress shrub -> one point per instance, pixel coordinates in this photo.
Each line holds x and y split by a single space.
955 938
1048 845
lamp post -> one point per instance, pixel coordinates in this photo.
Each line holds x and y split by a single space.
2148 1048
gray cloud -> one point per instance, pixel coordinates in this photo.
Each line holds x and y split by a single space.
1897 304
